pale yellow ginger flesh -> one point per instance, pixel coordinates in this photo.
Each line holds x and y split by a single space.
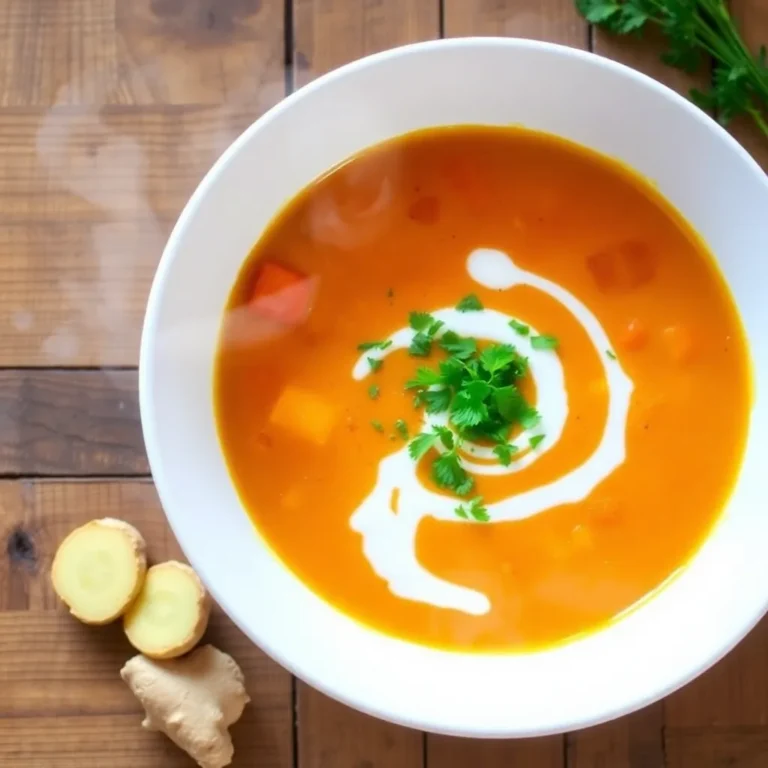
192 700
170 614
99 569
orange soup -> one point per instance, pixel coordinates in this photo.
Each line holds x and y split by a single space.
482 389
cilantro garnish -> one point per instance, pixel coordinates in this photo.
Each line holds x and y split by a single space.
374 363
470 303
476 389
504 452
611 355
475 510
520 328
373 391
544 342
377 425
366 346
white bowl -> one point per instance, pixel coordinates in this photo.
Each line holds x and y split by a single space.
656 648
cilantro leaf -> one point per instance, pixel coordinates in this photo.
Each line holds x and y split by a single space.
535 440
402 429
610 354
421 345
373 391
504 452
452 372
544 342
425 377
475 510
530 418
436 400
365 346
457 346
520 328
468 408
497 357
470 303
448 472
377 425
421 444
510 403
420 321
374 363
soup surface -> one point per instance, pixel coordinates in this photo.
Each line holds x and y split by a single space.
584 455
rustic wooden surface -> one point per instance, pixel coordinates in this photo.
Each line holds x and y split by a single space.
110 112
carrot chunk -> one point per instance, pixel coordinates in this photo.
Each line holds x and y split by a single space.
305 414
679 343
635 336
282 294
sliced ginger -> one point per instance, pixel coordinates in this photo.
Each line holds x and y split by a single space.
99 569
170 614
192 700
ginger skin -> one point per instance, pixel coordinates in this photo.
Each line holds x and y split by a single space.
192 700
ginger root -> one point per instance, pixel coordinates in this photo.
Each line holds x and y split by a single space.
99 569
170 614
192 700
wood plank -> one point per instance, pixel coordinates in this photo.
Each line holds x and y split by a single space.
63 704
726 708
635 741
449 752
327 34
70 423
752 19
94 52
334 736
110 113
555 21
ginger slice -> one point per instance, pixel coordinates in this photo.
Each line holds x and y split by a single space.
98 570
170 614
192 700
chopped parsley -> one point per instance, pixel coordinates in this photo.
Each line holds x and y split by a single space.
521 328
475 510
544 342
611 355
470 303
366 346
475 390
504 452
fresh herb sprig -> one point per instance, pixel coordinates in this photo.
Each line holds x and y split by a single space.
696 30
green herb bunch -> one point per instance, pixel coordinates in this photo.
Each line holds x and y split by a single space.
696 30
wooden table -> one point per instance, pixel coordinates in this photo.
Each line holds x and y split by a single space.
110 113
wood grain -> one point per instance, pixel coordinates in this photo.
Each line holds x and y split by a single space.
111 111
447 752
752 19
555 21
70 423
329 33
63 703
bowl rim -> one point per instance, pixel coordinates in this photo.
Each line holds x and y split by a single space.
165 492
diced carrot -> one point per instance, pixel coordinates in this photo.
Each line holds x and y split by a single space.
305 414
635 336
622 268
678 343
282 295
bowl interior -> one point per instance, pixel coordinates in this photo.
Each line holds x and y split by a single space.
698 167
